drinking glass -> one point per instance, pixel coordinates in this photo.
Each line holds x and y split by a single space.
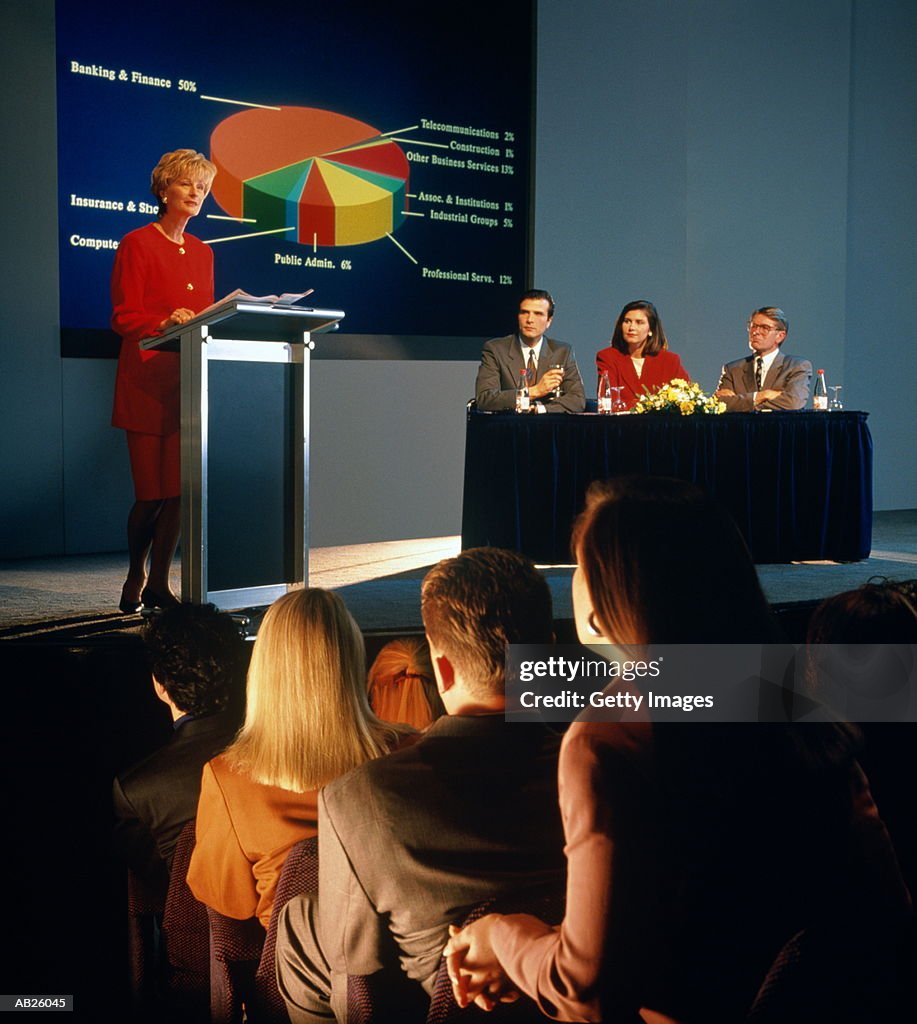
836 404
617 402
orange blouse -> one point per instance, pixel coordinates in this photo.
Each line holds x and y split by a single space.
244 832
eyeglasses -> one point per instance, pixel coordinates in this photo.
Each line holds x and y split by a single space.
754 328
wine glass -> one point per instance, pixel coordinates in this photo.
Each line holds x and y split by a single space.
836 404
557 392
617 402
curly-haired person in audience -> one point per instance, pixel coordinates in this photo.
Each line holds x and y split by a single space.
695 852
307 721
196 656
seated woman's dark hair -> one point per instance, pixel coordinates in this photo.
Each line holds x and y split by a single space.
664 563
882 611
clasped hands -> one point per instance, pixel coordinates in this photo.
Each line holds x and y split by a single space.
474 971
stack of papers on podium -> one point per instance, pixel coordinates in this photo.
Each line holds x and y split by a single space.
287 299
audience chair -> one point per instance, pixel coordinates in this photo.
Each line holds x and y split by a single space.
235 951
185 939
298 877
547 904
838 974
145 905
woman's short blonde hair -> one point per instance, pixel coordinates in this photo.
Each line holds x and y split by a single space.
307 717
178 164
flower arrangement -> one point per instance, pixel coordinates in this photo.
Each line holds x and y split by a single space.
681 397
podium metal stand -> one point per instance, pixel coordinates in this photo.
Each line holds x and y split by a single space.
242 331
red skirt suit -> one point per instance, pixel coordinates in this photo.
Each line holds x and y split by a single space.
152 277
657 370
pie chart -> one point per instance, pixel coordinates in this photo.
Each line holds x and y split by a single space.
334 179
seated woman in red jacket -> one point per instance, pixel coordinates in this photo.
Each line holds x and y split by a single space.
638 359
162 277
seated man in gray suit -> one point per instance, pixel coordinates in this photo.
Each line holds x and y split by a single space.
767 379
197 659
410 842
555 384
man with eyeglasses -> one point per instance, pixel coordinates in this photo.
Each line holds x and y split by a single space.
767 379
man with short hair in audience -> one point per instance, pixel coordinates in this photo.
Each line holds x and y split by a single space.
409 843
196 655
767 379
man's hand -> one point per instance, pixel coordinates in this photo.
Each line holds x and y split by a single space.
547 384
724 393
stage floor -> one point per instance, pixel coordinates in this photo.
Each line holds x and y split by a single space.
76 596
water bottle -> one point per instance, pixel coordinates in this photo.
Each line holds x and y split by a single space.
523 403
604 397
820 393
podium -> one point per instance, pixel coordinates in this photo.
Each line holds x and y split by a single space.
245 332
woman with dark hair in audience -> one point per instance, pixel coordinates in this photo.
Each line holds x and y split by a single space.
861 653
638 358
880 612
307 721
694 851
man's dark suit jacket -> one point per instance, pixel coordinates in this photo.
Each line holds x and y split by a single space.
156 797
410 842
502 363
787 374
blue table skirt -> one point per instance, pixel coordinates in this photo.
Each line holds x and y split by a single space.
799 484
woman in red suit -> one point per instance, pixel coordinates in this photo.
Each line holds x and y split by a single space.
638 359
162 277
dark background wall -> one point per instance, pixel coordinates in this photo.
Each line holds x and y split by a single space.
713 156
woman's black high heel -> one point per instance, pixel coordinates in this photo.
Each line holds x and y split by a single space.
128 606
154 599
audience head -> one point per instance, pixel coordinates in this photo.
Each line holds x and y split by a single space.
879 612
659 562
656 340
196 655
307 717
860 650
475 604
401 684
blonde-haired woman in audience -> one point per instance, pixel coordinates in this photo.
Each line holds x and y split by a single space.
402 687
307 721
